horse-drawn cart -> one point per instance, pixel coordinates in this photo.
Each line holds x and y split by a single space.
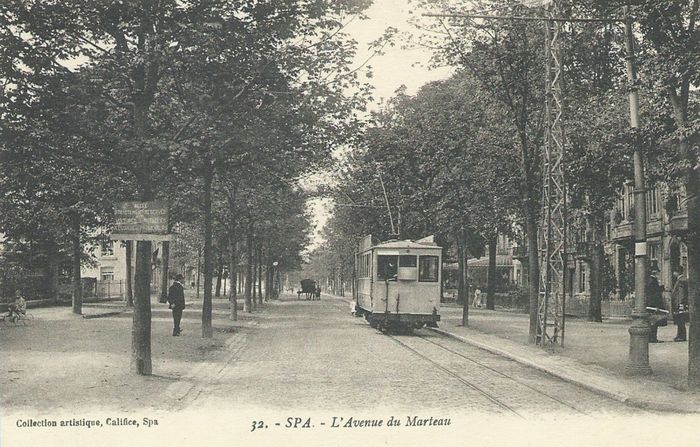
309 289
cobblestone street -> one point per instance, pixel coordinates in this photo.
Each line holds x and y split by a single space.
314 355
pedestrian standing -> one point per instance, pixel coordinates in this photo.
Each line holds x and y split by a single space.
477 298
655 305
679 303
176 298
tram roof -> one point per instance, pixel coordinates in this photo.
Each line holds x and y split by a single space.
405 244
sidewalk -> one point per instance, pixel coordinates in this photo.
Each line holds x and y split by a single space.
61 361
594 356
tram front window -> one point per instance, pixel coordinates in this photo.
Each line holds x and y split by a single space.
387 267
428 269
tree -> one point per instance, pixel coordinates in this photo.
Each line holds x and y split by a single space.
506 57
126 46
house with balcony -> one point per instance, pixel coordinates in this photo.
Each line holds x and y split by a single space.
667 222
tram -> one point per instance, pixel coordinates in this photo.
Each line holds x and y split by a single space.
398 283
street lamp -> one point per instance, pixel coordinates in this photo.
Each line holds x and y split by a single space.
276 280
638 363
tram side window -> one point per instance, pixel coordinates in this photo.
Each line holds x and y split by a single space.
363 266
387 267
428 269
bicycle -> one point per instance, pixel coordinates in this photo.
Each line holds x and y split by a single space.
16 317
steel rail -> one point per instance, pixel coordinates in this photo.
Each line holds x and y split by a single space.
458 377
556 399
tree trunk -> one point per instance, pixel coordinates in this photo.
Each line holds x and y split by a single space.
141 328
596 263
491 274
219 273
692 240
199 268
268 282
465 275
461 279
233 253
596 271
129 274
248 305
692 183
207 330
77 250
165 268
254 281
233 276
259 270
533 275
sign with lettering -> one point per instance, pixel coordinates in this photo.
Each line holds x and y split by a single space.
140 221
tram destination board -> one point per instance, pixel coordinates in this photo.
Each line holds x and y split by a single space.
140 221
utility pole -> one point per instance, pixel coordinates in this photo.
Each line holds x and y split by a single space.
638 363
553 231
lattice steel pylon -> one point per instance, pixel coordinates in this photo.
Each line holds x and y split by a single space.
553 230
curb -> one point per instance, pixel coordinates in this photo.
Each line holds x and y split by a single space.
104 314
189 387
563 375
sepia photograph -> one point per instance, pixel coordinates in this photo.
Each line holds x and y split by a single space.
349 222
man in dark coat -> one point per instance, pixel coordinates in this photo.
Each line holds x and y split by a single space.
654 299
176 298
679 301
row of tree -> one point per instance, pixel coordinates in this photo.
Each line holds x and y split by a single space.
216 107
462 158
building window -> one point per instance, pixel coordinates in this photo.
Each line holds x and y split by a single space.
387 267
582 279
630 201
428 270
621 207
107 273
654 252
107 248
652 202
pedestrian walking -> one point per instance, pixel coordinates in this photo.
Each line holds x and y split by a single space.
176 298
655 305
679 303
477 298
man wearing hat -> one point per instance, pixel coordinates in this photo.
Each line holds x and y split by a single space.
679 300
655 304
176 298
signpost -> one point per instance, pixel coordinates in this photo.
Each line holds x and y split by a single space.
143 222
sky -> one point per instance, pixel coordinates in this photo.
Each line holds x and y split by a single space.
396 67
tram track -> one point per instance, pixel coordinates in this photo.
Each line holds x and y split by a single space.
461 379
434 349
506 376
459 375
